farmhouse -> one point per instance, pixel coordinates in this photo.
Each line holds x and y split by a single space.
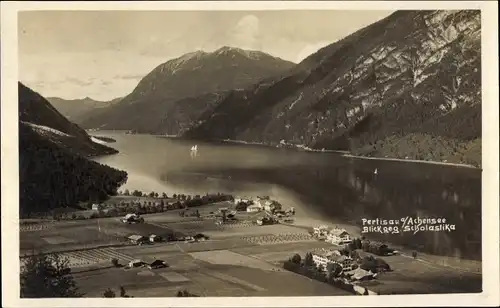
338 236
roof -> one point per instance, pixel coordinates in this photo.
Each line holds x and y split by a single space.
359 273
338 232
153 235
129 216
135 237
136 261
157 261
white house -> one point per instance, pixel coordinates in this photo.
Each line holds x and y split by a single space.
254 208
338 236
325 258
270 205
321 230
97 207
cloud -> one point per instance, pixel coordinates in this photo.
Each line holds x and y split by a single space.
246 33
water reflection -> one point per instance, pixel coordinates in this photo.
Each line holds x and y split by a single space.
352 192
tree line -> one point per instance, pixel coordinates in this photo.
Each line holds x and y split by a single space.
52 177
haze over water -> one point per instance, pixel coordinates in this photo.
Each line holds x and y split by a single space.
322 185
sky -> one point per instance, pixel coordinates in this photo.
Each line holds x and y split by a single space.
104 54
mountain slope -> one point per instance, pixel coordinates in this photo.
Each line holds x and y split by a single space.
36 112
53 169
192 75
414 73
76 109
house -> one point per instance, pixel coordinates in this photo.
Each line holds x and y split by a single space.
256 207
135 263
97 207
137 239
271 205
153 238
360 274
325 258
345 261
320 231
157 264
338 236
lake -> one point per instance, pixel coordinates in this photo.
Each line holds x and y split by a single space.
327 186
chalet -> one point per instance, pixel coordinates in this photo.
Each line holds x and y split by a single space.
338 236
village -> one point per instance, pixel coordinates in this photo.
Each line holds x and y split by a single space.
204 244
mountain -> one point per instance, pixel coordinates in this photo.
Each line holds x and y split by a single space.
76 109
407 86
53 167
157 101
35 111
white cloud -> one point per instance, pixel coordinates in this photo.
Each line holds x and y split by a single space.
246 33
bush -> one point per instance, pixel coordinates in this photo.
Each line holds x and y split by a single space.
109 293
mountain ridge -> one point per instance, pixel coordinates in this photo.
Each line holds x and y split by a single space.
387 80
194 74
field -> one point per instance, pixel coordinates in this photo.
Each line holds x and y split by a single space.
238 259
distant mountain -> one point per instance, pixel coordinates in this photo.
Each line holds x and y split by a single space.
76 109
53 168
156 102
407 86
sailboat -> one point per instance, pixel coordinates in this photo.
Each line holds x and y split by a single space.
194 151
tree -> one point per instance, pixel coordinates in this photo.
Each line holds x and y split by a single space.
164 195
115 263
333 270
308 260
174 196
152 194
126 192
296 259
123 293
109 293
47 276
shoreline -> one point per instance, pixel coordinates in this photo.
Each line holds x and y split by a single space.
345 154
412 161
